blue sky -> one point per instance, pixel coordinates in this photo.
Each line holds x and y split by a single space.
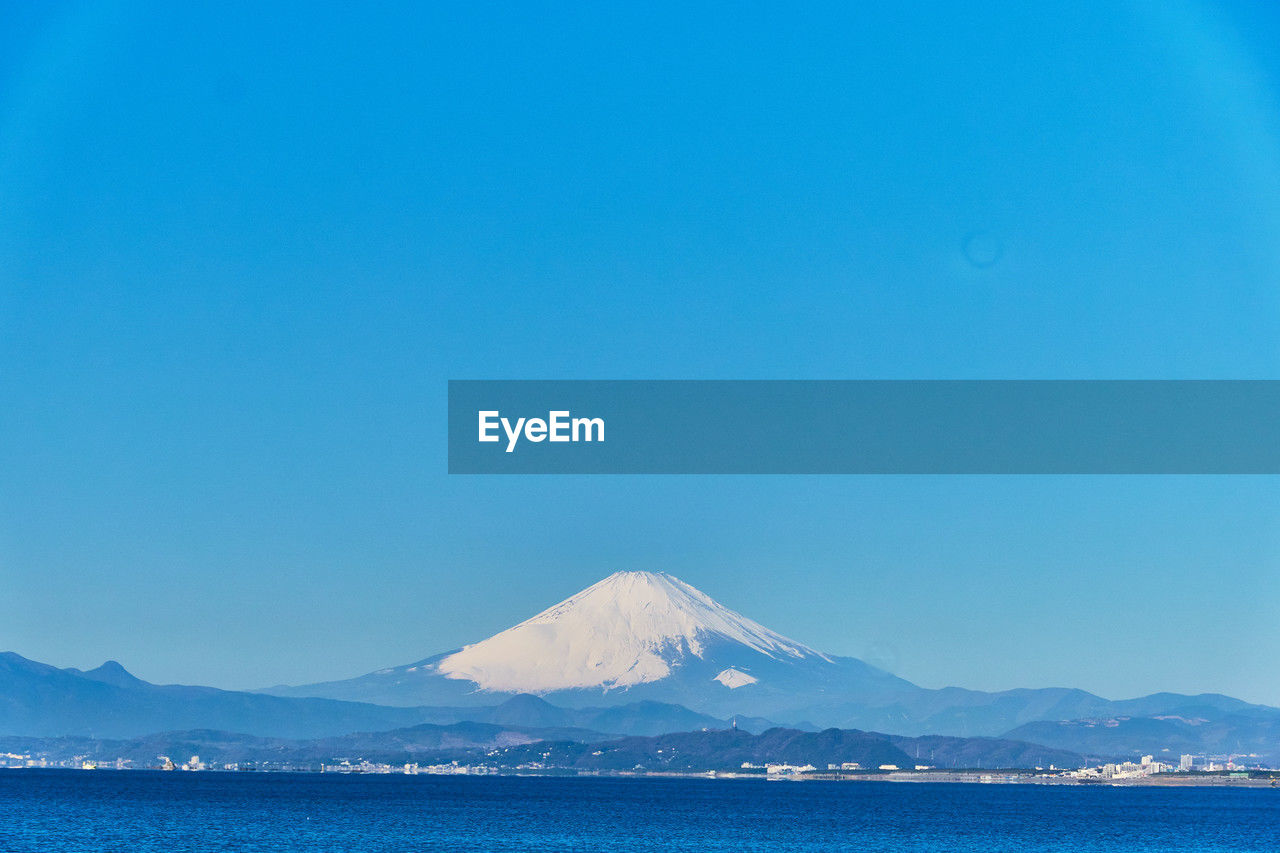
241 252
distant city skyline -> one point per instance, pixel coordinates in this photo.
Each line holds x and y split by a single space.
242 252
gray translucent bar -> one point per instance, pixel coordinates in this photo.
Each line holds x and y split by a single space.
872 427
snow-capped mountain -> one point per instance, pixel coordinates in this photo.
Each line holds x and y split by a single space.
632 636
635 653
638 638
629 629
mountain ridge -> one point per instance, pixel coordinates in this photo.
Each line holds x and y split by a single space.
572 749
688 662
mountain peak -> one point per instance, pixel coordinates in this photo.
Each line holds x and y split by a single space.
112 672
627 629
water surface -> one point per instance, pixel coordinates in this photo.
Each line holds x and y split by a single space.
67 810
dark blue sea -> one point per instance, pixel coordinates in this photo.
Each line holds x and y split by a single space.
68 810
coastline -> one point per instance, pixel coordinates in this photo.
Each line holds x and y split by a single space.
1255 779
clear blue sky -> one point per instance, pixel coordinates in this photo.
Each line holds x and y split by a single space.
241 252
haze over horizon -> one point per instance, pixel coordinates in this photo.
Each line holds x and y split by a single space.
237 270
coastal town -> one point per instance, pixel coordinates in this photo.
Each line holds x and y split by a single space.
1191 770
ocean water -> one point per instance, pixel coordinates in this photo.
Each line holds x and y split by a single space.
52 810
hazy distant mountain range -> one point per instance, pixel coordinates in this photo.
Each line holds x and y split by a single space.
637 654
38 700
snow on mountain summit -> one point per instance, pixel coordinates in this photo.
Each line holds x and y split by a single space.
628 629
